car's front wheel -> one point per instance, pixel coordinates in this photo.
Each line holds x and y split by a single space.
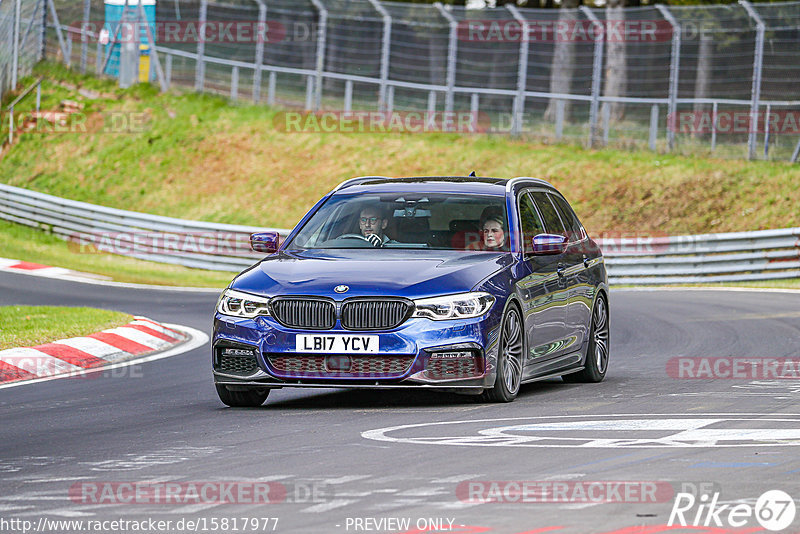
249 398
510 354
597 353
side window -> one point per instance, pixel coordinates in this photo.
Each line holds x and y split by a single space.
552 222
530 222
568 216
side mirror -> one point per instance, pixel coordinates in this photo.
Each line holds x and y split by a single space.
544 244
267 242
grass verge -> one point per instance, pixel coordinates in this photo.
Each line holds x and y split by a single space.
25 326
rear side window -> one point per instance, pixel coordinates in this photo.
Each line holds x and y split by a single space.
552 222
530 222
568 217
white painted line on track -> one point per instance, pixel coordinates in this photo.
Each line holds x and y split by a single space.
196 339
723 288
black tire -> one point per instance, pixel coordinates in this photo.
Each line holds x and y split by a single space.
597 352
510 357
250 398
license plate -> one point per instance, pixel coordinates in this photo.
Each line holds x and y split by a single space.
336 343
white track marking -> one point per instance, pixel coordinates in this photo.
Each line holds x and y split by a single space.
142 338
95 347
196 339
36 362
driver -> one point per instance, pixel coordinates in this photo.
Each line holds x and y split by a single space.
372 223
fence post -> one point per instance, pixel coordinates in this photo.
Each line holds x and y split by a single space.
235 83
322 36
796 153
43 37
560 112
386 44
15 44
271 88
674 73
713 126
451 56
653 126
597 74
522 70
758 61
168 70
766 132
153 49
262 26
87 11
200 68
348 95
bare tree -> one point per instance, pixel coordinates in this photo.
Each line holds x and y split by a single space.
616 78
563 64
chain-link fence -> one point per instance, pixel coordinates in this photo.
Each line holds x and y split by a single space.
21 38
692 79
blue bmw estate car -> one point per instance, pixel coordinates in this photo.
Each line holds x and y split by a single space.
467 284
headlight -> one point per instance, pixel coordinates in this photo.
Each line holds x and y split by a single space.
240 304
461 306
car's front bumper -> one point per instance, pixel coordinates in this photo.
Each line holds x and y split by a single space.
410 356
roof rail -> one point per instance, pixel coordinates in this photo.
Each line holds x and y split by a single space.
359 179
512 181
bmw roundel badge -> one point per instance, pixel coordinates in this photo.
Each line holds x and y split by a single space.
341 289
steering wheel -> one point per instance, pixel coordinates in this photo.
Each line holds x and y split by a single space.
353 236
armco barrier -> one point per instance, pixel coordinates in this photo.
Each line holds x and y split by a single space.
729 257
202 245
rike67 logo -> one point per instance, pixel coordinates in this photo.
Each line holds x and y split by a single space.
774 510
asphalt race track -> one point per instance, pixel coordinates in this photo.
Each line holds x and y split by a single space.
366 461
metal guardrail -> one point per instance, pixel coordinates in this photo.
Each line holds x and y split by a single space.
202 245
727 257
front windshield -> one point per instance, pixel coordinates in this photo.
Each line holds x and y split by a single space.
402 220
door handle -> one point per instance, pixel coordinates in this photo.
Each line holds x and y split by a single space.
586 261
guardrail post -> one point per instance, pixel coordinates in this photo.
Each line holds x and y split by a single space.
653 126
262 36
597 74
758 61
674 73
87 11
522 70
322 36
452 51
200 68
15 44
385 52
